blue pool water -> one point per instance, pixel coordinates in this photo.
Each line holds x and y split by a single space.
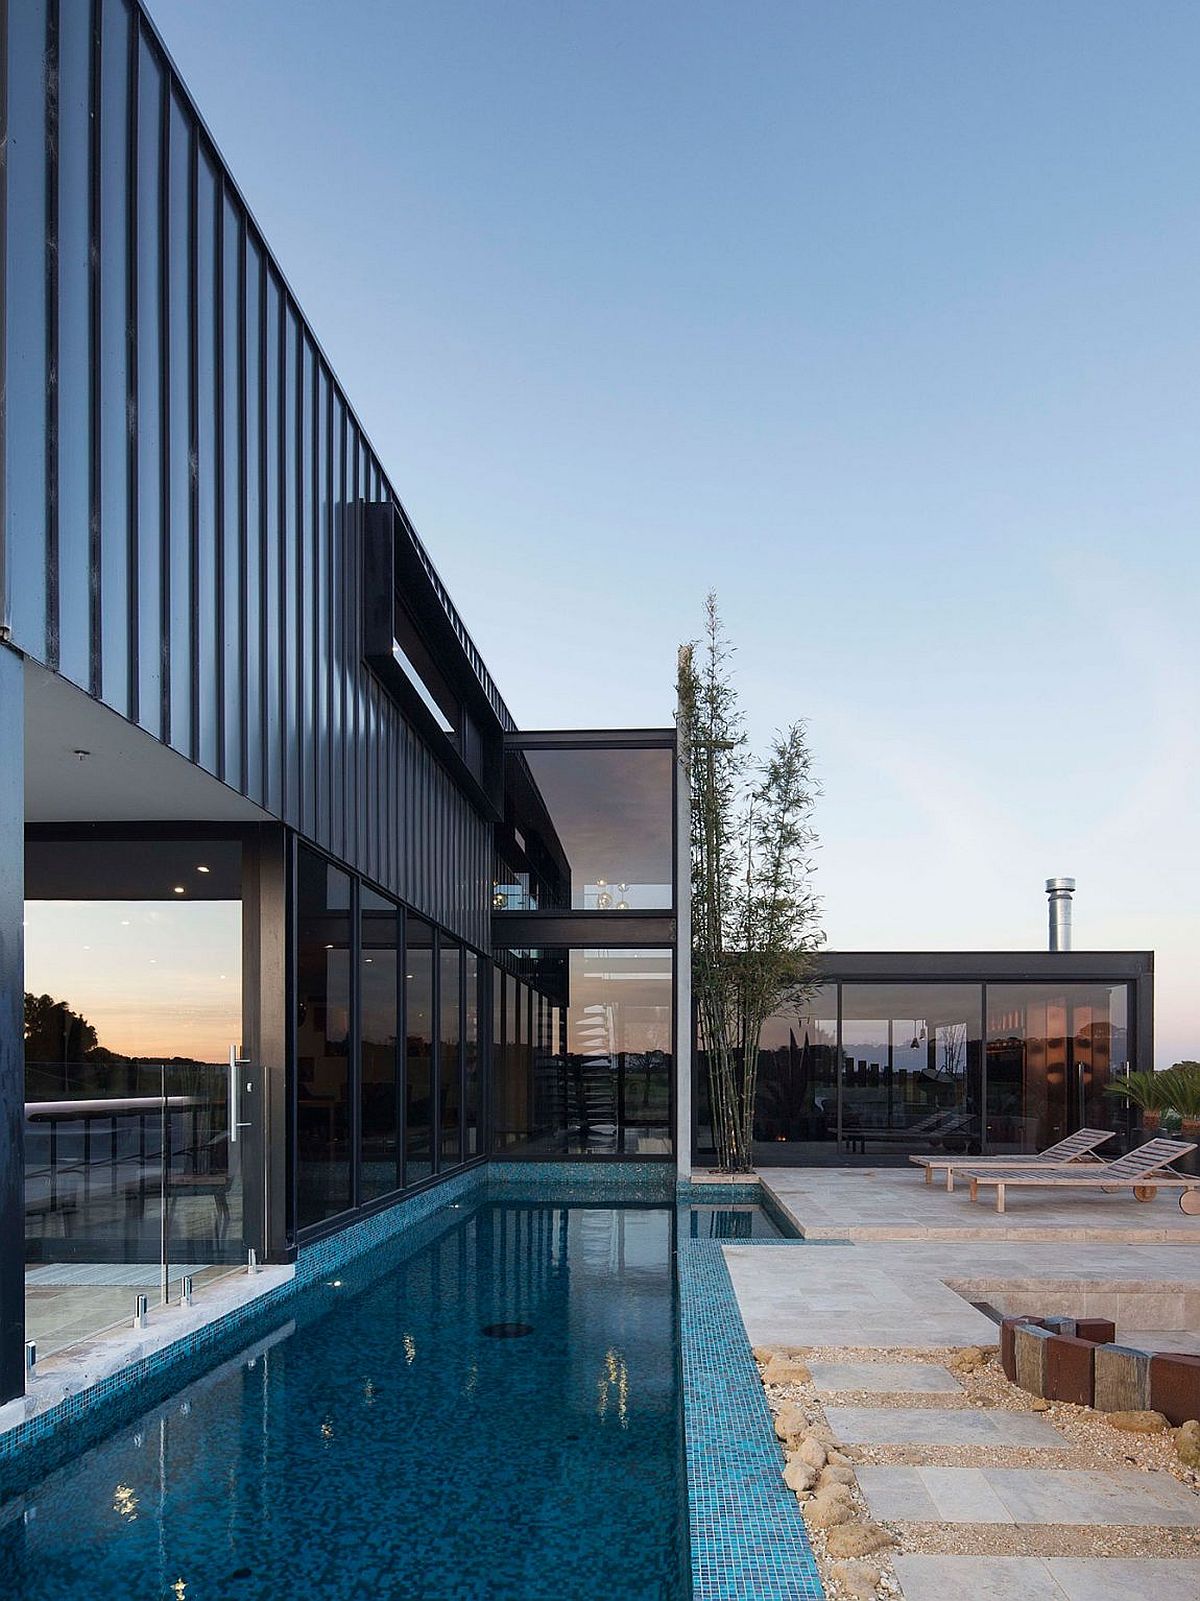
380 1444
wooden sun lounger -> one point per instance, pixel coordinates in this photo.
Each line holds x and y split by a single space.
1077 1147
1142 1171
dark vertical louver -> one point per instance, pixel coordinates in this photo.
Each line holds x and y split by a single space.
184 478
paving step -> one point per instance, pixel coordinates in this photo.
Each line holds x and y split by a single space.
884 1378
1029 1496
878 1425
1048 1578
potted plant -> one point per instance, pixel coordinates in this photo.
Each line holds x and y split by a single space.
1185 1095
1150 1092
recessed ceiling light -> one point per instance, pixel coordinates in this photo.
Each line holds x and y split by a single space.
202 869
179 889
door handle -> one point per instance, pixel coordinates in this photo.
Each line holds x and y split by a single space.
235 1061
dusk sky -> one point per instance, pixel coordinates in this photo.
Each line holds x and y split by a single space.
879 319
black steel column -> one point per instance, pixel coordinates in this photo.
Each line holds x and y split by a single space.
12 1025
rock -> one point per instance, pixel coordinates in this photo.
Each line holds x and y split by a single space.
763 1354
968 1359
827 1510
857 1540
1039 1404
1187 1443
790 1422
834 1473
813 1452
799 1475
782 1370
858 1579
1138 1422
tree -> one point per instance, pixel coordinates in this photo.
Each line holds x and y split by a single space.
754 916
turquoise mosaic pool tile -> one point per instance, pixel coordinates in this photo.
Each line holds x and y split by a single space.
748 1540
748 1194
632 1181
32 1445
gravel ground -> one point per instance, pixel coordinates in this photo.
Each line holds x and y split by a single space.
1095 1444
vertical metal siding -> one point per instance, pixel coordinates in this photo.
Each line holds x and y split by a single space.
183 474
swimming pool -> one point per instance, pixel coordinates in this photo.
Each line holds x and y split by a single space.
488 1410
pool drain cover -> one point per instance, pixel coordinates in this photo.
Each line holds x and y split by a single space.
507 1331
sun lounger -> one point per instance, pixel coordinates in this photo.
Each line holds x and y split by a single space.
1143 1171
1077 1147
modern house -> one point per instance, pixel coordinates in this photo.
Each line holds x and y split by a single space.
294 920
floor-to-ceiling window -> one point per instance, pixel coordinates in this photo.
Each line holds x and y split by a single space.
380 1045
133 975
450 1051
473 1045
587 1053
419 1086
1052 1049
797 1102
911 1068
323 1039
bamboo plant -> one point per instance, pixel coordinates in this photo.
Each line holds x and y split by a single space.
754 916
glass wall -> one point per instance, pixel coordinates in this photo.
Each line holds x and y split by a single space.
864 1074
796 1107
1051 1050
911 1066
450 1051
380 1014
133 972
323 1044
596 830
419 1077
472 1052
584 1053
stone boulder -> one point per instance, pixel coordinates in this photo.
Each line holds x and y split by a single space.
790 1422
857 1540
858 1579
1138 1422
1187 1443
829 1508
813 1452
799 1475
835 1473
784 1370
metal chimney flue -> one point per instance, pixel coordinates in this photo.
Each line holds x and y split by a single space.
1061 892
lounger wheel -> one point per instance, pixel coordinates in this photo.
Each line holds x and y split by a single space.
1145 1192
1189 1202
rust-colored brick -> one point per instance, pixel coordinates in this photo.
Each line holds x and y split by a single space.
1069 1369
1175 1385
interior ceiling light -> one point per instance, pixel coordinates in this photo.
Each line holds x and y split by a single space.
202 869
179 889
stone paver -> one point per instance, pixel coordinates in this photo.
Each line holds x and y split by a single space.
1028 1495
932 1495
1125 1578
1041 1495
977 1579
887 1378
1050 1579
893 1203
867 1425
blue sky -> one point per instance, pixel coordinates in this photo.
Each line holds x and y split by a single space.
881 319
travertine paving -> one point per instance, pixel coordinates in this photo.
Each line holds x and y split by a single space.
868 1425
1046 1579
1027 1495
982 1497
923 1378
894 1203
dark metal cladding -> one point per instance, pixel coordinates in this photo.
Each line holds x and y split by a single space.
186 483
